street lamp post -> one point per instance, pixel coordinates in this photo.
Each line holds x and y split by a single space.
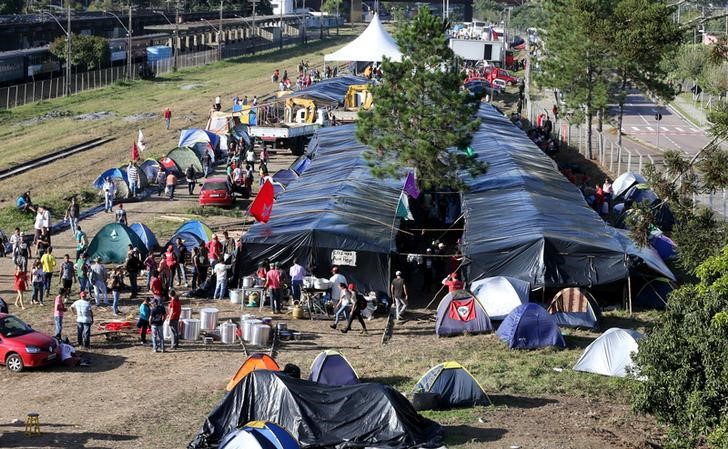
175 43
280 23
129 44
219 52
219 34
67 31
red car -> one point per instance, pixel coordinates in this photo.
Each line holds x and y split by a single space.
22 347
216 192
492 73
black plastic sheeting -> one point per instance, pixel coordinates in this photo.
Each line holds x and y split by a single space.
524 219
336 205
330 92
321 416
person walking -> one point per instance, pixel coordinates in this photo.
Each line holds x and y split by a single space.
297 273
73 213
181 267
359 304
117 280
24 253
171 183
59 307
145 312
133 266
190 178
81 308
161 181
109 190
336 279
98 280
199 267
121 215
398 291
48 260
21 281
82 273
206 164
37 281
132 173
81 241
250 157
67 273
159 314
273 284
175 310
343 305
221 276
167 117
150 265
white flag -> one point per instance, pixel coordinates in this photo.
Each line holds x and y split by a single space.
140 141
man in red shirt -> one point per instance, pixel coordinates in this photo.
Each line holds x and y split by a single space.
175 309
273 284
167 117
155 285
453 283
214 250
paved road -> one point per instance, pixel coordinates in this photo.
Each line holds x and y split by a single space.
675 133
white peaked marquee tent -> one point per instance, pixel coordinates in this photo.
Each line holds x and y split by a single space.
371 46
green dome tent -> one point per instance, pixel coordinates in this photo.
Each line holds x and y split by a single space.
184 157
112 242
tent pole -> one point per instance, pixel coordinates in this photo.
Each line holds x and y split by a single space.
629 293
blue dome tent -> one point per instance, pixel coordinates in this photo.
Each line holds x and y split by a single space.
146 235
259 435
453 385
530 326
332 368
193 233
460 313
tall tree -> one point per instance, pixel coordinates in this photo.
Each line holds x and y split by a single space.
89 52
577 59
421 110
644 35
11 6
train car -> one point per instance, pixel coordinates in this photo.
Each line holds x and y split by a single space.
12 66
40 63
21 66
139 47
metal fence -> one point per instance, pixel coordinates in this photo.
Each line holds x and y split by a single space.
20 94
616 159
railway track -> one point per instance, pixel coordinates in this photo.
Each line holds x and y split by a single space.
53 156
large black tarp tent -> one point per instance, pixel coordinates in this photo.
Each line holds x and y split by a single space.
524 219
321 416
331 91
336 214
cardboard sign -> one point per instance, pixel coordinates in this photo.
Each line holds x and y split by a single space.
339 257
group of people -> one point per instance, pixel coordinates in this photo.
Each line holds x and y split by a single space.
306 76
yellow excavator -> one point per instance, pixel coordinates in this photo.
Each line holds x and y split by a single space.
358 97
299 110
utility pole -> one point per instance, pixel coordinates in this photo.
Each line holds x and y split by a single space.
129 68
68 47
219 35
527 83
176 35
280 29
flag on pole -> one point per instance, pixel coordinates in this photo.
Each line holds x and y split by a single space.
134 152
263 204
403 209
140 141
410 186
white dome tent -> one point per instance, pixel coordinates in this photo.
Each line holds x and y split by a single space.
610 354
499 295
371 46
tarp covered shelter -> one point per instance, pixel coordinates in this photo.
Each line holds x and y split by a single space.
118 177
641 193
112 242
610 354
375 415
499 295
337 214
459 313
331 368
254 362
150 167
145 235
201 148
575 307
190 137
185 157
664 245
525 220
193 233
454 386
530 326
371 46
329 92
625 181
285 176
259 435
654 293
301 164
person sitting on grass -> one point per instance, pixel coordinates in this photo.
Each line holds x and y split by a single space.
24 202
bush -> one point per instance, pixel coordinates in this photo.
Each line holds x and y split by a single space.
684 359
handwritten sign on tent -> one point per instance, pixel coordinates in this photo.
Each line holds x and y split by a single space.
339 257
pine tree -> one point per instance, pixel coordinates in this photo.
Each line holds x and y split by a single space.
421 110
577 62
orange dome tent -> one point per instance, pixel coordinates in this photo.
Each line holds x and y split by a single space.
253 362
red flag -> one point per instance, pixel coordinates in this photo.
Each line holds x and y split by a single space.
263 204
135 152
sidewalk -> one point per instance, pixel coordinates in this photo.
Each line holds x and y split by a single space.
689 112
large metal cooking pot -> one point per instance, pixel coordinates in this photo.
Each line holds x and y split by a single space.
208 318
186 313
227 332
261 335
191 329
248 329
236 296
322 284
248 281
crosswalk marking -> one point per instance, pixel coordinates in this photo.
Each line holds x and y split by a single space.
664 128
635 128
693 130
678 129
649 128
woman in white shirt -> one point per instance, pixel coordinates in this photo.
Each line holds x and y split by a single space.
342 307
